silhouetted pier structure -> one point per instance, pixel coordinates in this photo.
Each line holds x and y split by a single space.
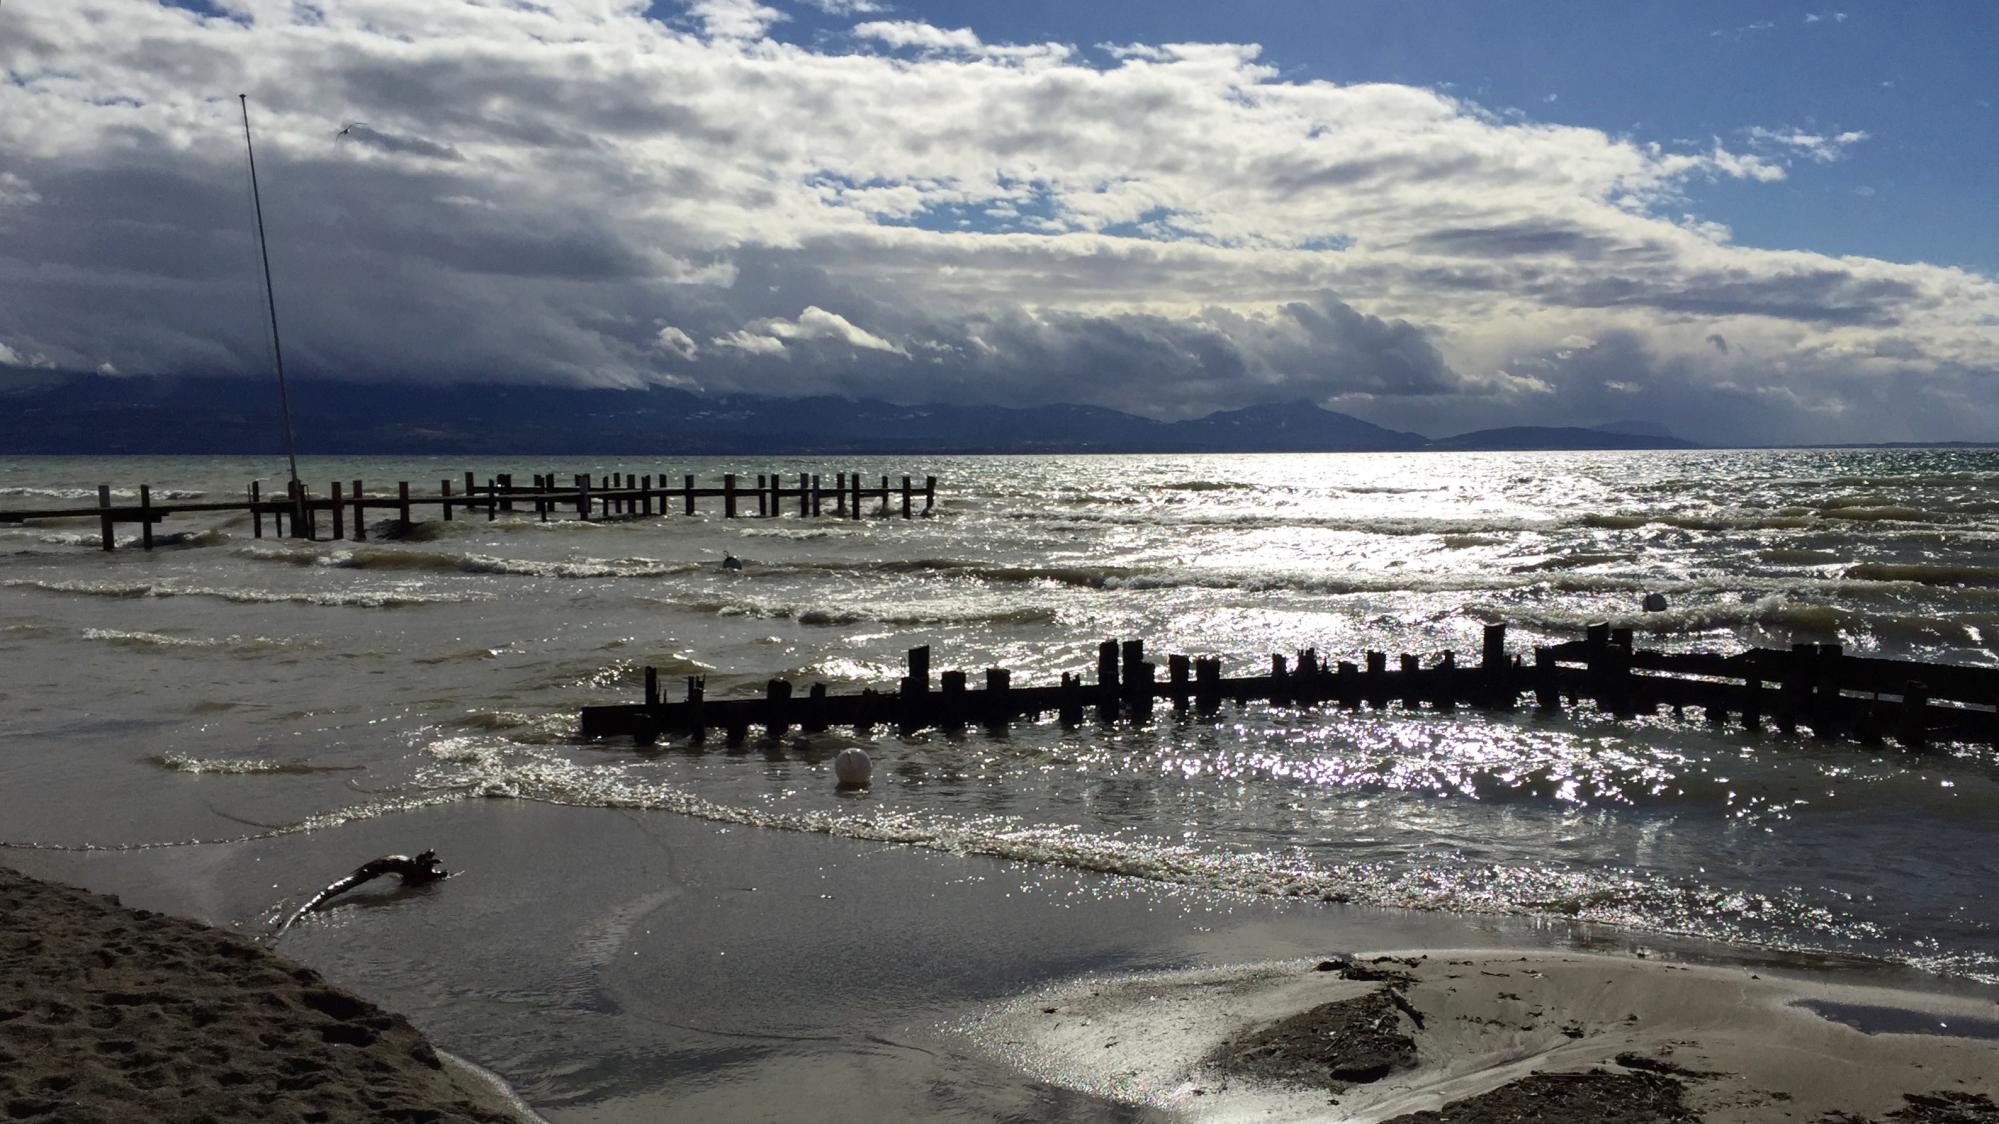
1816 687
610 496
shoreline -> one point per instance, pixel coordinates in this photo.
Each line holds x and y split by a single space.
697 970
109 1013
1431 1036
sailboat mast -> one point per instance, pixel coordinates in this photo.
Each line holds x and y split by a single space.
270 298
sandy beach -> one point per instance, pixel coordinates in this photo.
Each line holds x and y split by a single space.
110 1014
710 973
1438 1036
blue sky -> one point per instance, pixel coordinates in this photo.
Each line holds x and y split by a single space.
1750 222
1919 79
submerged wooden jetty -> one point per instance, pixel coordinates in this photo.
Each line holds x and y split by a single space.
610 496
1814 686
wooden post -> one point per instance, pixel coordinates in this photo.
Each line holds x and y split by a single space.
1444 689
1827 702
1796 686
1492 681
814 721
1139 690
582 496
697 691
1547 681
146 516
652 686
913 710
777 702
1070 707
1913 731
360 514
1377 680
804 494
340 514
1131 653
999 697
687 494
884 495
444 498
492 501
951 689
1280 681
403 506
1752 702
854 512
729 495
1346 684
506 484
929 492
1596 653
763 495
645 495
256 512
1411 695
1208 684
839 493
1107 681
817 494
906 496
1176 678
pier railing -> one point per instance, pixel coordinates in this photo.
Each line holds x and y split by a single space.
1814 686
611 496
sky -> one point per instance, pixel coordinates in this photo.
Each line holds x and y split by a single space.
1751 222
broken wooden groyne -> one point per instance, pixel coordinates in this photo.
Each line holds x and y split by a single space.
1814 686
613 495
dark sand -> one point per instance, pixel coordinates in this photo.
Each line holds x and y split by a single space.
117 1015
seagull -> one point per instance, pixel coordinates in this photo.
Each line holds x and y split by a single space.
351 126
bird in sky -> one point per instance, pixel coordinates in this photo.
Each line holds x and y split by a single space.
350 127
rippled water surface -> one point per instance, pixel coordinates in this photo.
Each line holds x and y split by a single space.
335 680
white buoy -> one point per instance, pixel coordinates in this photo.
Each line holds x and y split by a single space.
1655 602
851 767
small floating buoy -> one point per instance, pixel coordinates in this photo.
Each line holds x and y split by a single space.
1655 602
851 767
731 562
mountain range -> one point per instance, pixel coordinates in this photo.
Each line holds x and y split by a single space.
97 414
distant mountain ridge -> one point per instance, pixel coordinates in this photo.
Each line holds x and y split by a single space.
96 414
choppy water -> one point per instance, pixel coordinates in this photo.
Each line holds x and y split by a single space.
345 680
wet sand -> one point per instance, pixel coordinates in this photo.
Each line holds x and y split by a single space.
626 967
1435 1037
110 1014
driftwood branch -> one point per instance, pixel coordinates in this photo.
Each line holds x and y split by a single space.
425 867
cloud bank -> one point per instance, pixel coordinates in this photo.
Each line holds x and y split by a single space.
600 193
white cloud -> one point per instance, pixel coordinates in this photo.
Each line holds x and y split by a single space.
751 342
734 19
816 323
848 7
679 343
1818 147
548 187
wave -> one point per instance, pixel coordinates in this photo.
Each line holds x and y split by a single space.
899 613
176 763
155 640
90 494
1625 897
367 599
1205 486
1959 574
1629 521
392 559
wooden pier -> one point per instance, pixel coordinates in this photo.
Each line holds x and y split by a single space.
1816 687
615 495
